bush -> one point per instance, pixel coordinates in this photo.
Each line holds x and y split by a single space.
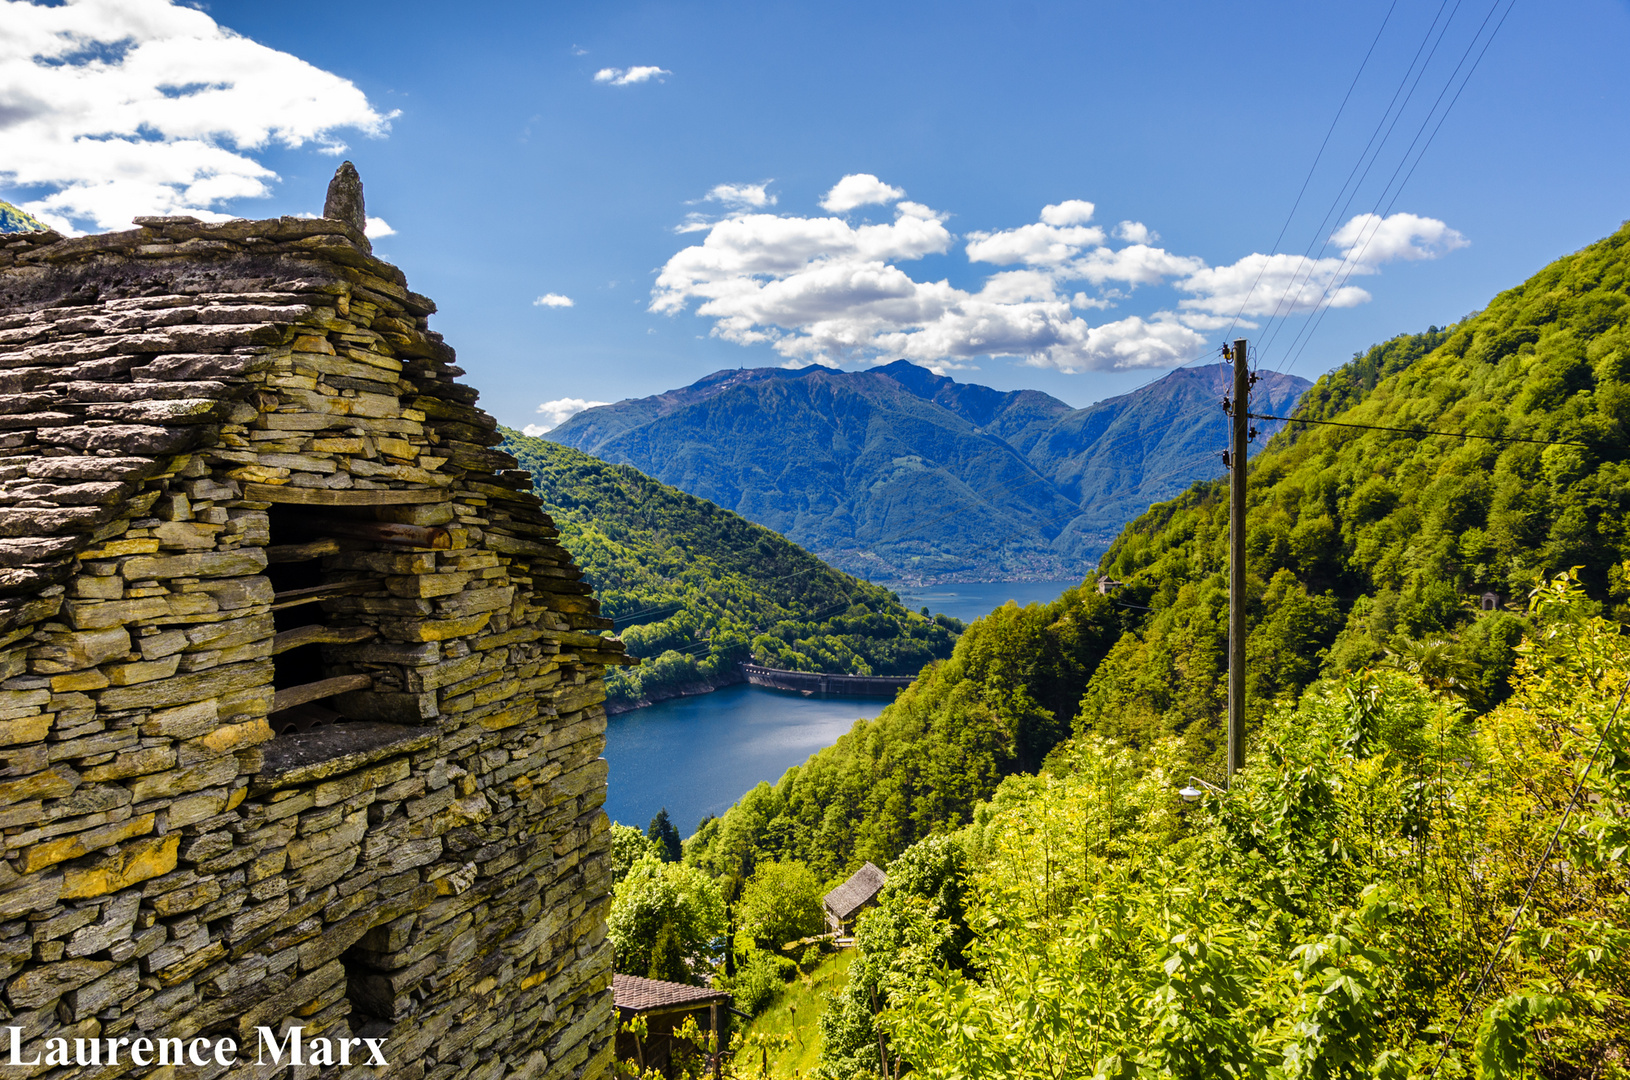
758 980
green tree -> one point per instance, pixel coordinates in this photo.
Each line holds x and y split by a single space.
664 835
666 920
1387 883
781 903
628 846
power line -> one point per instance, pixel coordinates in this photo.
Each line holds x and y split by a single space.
1311 170
1426 431
1310 331
1298 282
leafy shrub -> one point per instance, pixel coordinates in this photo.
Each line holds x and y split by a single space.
758 980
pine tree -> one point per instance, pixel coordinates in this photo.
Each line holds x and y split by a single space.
666 835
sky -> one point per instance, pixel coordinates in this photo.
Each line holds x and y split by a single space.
612 200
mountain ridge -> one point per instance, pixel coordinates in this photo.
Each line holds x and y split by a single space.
897 473
14 219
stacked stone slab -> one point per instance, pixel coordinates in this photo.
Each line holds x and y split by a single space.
433 869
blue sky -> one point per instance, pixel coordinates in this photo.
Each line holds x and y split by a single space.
508 172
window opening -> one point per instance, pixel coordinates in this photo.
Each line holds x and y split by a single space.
304 684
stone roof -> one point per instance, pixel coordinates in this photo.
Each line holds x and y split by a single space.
121 351
638 994
854 894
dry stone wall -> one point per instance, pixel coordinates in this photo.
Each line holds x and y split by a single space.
300 719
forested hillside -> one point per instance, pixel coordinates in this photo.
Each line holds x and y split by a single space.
1366 549
1003 700
1375 546
1392 888
695 589
14 220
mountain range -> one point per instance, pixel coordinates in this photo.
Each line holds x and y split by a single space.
897 474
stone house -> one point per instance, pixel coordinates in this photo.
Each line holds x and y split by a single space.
300 717
844 903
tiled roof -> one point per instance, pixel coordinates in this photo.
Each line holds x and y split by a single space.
642 995
856 893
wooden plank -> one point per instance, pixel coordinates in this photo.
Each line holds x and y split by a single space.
320 635
295 597
316 691
282 553
288 493
383 532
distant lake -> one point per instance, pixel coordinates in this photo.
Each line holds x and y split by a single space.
975 599
697 755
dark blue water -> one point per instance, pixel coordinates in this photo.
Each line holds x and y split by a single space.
969 601
697 755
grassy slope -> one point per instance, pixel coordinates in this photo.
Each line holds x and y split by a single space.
708 588
797 1012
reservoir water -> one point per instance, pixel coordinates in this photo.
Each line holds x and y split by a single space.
970 600
698 755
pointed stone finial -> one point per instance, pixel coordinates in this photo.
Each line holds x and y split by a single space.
345 198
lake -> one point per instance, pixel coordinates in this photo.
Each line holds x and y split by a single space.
698 755
971 600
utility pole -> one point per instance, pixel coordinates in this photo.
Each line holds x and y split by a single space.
1239 434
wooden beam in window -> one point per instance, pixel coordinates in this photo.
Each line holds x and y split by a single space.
316 691
320 635
316 549
380 532
287 493
295 597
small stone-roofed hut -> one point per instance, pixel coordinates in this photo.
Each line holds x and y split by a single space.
846 901
665 1006
300 715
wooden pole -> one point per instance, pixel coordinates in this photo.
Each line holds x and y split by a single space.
718 1051
1239 433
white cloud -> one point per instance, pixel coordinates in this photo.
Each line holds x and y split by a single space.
553 299
741 196
124 108
1068 212
1035 245
1371 239
629 76
1294 284
821 290
378 227
859 189
557 412
1136 232
1138 264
